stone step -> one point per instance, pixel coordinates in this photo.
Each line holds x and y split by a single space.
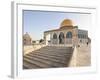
48 57
37 63
57 47
47 63
28 65
52 52
62 61
51 56
53 49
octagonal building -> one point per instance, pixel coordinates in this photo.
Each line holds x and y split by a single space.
67 35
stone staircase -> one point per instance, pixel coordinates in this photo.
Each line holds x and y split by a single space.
48 57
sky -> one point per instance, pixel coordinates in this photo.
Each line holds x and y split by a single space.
36 22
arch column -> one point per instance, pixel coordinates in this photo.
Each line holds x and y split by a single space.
58 38
75 37
65 38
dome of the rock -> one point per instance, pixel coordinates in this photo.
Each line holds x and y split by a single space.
66 23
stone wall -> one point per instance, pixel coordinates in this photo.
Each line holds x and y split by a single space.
81 56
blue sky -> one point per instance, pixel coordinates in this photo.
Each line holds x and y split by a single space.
36 22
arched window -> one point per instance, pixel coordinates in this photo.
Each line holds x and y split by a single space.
79 36
83 36
69 35
54 36
61 35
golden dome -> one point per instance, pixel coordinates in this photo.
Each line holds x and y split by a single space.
66 23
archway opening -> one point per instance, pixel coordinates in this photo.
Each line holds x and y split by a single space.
54 38
61 38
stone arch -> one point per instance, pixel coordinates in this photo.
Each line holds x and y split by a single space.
61 38
69 37
69 34
54 36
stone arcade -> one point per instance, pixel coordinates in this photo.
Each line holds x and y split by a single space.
67 35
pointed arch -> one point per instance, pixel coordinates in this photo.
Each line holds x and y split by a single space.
54 36
61 38
69 35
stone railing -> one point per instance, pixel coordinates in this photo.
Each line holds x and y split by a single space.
73 61
81 56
